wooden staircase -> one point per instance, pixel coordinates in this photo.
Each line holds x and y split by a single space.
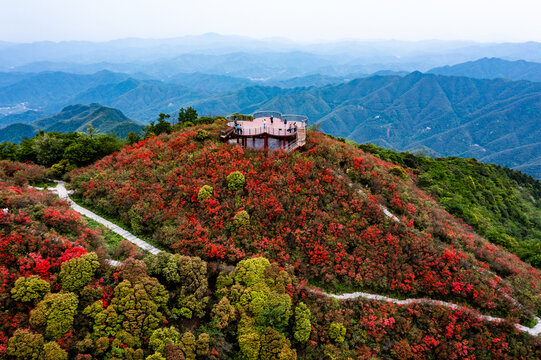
299 141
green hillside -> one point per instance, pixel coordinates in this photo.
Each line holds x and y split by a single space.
501 204
16 132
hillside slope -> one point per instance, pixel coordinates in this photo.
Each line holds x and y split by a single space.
318 210
501 204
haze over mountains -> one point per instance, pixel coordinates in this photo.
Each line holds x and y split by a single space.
486 107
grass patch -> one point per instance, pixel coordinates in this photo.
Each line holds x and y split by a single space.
45 184
111 238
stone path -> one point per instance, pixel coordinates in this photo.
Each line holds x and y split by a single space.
63 194
535 331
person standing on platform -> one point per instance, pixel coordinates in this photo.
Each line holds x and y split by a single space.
272 119
264 124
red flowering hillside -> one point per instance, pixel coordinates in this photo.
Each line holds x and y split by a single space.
318 209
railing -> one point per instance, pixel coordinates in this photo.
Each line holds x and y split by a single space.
252 131
261 114
268 114
298 118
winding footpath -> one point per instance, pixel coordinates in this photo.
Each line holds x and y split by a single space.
535 331
63 194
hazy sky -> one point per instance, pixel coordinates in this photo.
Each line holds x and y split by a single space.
306 20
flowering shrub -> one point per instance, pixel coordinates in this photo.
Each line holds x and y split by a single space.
318 210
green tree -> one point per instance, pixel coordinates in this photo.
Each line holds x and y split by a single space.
276 311
187 277
78 272
25 345
189 345
56 313
30 289
53 351
275 346
303 327
202 344
162 126
250 344
223 313
161 337
250 271
185 115
132 138
134 309
48 148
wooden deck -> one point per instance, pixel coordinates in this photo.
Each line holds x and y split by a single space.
267 134
264 125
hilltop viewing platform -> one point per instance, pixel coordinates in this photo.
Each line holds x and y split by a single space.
267 130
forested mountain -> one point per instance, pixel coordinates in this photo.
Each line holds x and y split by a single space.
493 68
139 99
492 120
75 118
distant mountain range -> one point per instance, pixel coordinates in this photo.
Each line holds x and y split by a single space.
74 118
251 58
493 68
493 120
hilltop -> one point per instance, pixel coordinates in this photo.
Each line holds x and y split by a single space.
318 210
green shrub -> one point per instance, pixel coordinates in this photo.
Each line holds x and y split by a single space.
205 192
235 181
78 272
398 171
337 332
241 219
30 289
25 345
202 135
